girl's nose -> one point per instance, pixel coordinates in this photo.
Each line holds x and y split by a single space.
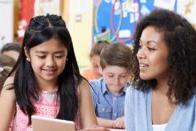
50 61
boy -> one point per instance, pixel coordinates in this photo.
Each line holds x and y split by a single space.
109 91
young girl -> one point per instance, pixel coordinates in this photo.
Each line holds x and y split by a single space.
162 97
46 80
109 91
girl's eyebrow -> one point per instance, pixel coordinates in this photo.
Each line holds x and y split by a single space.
45 52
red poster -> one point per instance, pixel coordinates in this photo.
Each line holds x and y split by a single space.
25 13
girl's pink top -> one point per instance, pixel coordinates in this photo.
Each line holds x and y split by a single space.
47 106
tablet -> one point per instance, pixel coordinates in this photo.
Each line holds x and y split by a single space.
49 124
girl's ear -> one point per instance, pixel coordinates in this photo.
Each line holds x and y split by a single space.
27 54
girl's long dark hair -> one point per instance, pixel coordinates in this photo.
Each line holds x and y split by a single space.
39 30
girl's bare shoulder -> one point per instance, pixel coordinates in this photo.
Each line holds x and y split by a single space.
83 87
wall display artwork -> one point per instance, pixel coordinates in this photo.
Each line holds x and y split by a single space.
115 20
42 7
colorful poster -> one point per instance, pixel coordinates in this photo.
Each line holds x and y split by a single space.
115 20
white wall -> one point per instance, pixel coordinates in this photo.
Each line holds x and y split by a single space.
6 22
80 26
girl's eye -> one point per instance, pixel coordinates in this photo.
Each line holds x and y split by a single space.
59 56
41 57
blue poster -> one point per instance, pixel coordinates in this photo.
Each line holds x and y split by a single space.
115 20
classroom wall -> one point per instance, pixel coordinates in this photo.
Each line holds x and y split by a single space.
79 17
6 22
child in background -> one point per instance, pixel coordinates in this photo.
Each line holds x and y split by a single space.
46 81
6 65
12 50
109 91
93 72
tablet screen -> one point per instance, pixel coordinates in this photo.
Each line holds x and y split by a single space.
49 124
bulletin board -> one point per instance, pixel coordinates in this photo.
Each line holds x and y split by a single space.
115 20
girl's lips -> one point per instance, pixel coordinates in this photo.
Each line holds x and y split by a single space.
49 71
